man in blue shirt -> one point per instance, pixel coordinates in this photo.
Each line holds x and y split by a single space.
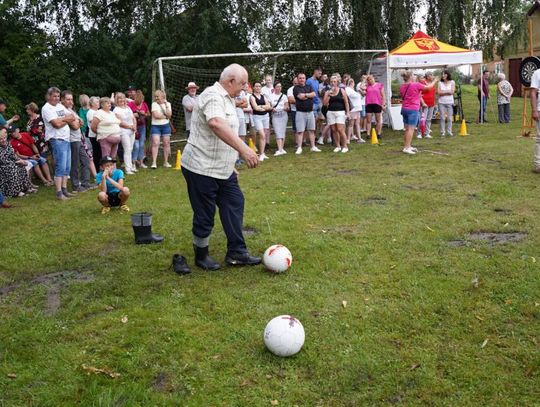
112 191
314 83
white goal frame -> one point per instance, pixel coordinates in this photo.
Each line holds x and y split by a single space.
158 79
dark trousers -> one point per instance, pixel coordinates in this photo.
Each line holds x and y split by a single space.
80 165
96 151
205 193
504 113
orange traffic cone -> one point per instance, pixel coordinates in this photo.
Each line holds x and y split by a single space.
463 129
374 139
178 164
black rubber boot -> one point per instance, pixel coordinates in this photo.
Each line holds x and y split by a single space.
144 235
242 259
203 260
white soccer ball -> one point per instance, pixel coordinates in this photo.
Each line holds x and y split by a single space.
277 258
284 336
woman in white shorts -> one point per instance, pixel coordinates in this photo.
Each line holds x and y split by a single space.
280 117
338 112
353 131
260 107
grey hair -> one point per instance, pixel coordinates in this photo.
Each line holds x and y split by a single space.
104 100
232 71
501 76
51 90
94 99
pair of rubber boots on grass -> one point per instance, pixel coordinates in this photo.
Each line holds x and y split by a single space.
204 261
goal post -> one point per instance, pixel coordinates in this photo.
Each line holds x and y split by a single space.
172 74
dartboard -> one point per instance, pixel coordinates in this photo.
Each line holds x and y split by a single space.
527 68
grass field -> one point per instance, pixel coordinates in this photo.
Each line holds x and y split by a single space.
436 313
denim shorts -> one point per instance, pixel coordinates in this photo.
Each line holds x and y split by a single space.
410 117
261 121
61 150
161 130
39 161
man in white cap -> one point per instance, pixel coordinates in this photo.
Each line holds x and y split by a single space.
188 102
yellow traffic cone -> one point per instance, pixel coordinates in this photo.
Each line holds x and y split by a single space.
178 160
374 139
463 129
251 144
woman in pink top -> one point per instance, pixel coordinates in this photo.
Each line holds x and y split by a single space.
411 93
375 103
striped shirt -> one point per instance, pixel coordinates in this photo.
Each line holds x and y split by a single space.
205 153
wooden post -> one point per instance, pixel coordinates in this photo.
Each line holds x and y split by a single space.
530 37
527 122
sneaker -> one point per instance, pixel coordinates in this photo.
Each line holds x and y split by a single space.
299 150
134 169
414 149
443 135
329 140
130 173
278 153
263 157
154 166
283 151
409 151
320 140
314 149
345 150
143 165
105 210
450 134
361 140
167 165
418 136
428 136
124 208
337 149
354 137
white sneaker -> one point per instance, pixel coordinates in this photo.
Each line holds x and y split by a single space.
154 166
320 140
263 157
409 151
134 169
329 140
427 136
361 140
314 149
345 150
130 173
299 150
443 135
354 137
419 136
414 149
278 153
283 151
337 149
167 165
143 165
450 134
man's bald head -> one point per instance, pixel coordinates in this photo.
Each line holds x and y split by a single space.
233 78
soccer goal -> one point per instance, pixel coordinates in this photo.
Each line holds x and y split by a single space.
172 74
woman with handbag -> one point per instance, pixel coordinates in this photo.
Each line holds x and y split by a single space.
280 117
161 127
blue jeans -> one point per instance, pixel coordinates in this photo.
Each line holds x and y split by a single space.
138 146
483 108
61 150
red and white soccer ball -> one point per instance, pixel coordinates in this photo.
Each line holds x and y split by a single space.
277 258
284 336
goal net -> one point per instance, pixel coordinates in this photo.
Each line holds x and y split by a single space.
172 74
